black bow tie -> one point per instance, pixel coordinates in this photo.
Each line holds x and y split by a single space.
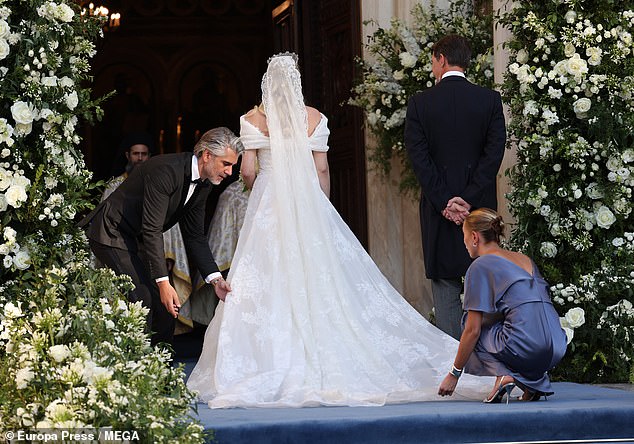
201 182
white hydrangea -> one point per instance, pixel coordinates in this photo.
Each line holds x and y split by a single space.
59 12
407 60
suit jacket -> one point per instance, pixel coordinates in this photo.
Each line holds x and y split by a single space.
455 137
150 201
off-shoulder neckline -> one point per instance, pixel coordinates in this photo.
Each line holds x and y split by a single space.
319 124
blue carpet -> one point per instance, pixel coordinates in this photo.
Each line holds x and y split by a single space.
576 412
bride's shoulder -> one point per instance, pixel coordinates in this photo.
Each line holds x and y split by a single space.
313 113
314 117
252 113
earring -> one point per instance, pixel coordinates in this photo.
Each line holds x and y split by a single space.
474 244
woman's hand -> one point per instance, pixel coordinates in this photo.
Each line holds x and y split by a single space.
448 385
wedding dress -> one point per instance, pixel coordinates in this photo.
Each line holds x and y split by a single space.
311 320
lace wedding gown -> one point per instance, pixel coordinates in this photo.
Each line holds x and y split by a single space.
311 320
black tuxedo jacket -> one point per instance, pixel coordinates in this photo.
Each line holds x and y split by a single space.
150 201
455 137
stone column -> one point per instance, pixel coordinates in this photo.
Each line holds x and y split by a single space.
393 221
500 61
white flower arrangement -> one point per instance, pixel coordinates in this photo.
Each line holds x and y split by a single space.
569 86
400 65
73 352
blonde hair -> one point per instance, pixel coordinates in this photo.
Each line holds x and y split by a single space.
487 223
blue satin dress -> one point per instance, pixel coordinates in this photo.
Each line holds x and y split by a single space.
521 335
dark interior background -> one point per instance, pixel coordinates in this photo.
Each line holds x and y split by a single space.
181 67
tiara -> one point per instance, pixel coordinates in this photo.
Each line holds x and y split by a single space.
284 54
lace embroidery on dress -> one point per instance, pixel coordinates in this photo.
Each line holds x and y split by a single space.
311 319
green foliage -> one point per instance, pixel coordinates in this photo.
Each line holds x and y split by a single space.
73 351
400 66
570 86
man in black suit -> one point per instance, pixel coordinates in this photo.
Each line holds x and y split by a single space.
125 231
455 136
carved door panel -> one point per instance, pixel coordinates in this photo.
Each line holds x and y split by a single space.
326 35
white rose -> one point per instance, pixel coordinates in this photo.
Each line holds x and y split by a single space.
22 260
604 216
593 191
23 112
23 376
522 56
12 311
548 249
72 100
570 333
575 317
594 55
59 352
618 241
23 129
582 106
65 13
66 82
407 59
570 16
5 49
628 155
569 49
576 65
5 30
613 163
49 81
15 195
9 234
398 75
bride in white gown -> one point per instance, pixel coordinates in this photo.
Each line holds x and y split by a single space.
311 320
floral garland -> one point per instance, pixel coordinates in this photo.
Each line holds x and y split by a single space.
73 352
570 86
400 66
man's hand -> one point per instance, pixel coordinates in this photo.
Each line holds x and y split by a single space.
457 210
448 385
221 288
169 298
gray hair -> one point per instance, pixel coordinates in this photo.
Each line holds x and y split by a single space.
217 140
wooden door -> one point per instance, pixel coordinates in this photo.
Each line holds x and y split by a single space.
326 35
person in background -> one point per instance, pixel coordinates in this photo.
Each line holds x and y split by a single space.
137 148
125 231
455 137
511 329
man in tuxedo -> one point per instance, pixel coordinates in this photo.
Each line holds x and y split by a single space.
455 136
125 231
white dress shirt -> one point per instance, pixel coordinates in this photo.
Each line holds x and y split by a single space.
190 192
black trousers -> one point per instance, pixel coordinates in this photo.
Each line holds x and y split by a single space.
121 261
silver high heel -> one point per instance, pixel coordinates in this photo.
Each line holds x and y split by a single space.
500 393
